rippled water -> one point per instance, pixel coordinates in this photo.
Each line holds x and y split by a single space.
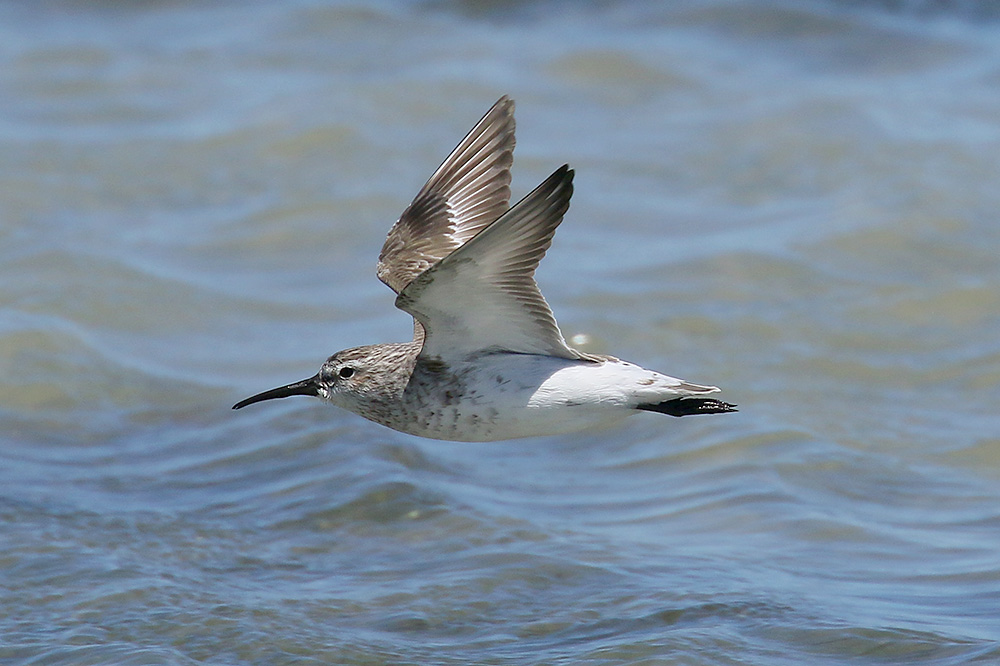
797 201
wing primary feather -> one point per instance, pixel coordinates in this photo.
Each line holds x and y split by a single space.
468 191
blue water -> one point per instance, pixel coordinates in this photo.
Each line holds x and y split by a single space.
796 201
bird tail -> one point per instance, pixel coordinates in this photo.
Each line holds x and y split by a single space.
689 406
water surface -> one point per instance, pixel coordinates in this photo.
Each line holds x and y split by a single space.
796 201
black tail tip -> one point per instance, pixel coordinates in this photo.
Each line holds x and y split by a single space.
689 406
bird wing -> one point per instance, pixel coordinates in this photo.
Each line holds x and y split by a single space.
483 295
469 190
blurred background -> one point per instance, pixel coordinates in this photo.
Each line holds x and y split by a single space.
796 201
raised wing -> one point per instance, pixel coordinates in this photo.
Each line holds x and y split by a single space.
468 191
483 296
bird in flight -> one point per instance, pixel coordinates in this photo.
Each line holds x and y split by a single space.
487 360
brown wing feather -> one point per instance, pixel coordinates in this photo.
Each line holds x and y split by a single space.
467 192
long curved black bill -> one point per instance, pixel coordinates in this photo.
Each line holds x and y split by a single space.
305 387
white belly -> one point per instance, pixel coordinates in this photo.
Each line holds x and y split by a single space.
507 396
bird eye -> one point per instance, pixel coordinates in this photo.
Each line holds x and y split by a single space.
346 372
